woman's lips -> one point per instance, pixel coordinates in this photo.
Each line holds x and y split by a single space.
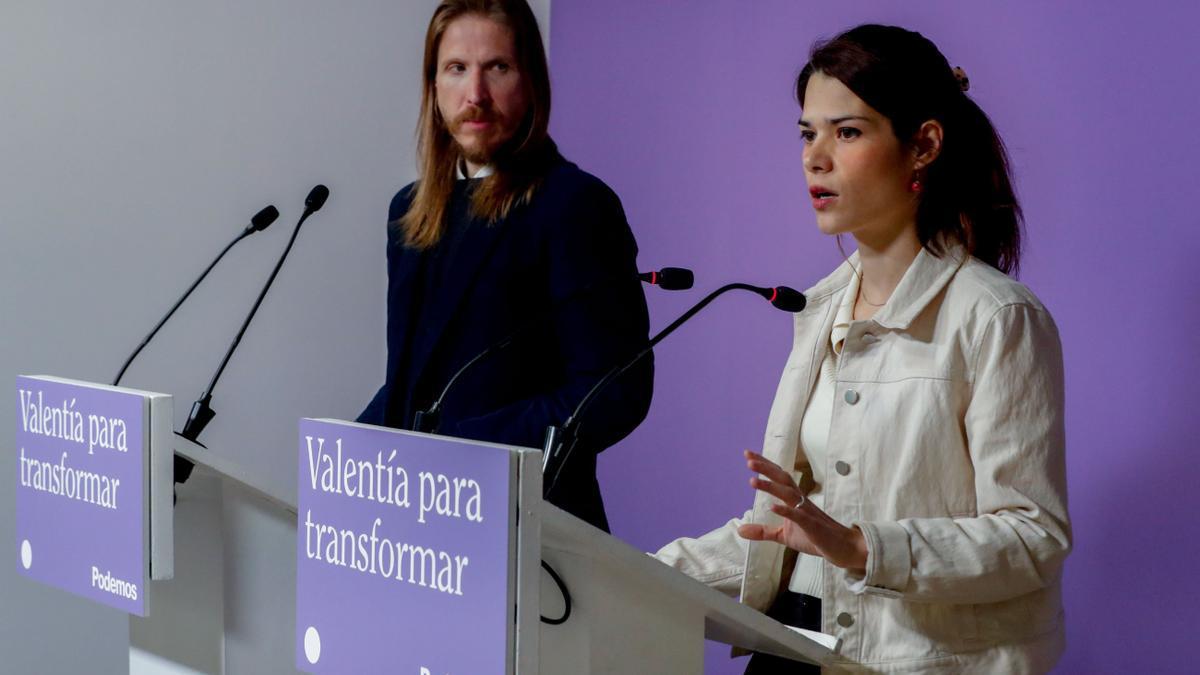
822 203
822 197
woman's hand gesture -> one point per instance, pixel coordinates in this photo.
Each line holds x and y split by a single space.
805 528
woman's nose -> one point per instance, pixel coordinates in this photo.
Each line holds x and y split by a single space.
816 157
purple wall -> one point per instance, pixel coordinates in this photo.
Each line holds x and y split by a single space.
686 110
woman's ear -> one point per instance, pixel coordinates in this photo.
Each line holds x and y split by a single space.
927 144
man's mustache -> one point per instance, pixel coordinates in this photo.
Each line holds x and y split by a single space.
473 114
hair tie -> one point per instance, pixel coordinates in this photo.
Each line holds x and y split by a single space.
964 82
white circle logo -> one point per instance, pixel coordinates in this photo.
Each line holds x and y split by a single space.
312 645
26 554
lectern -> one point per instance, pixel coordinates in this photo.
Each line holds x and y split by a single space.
629 612
412 550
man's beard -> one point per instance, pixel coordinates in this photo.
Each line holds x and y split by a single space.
478 153
486 147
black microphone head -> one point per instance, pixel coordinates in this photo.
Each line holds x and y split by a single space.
316 199
264 218
787 299
669 278
676 278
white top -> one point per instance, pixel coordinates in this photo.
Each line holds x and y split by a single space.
807 576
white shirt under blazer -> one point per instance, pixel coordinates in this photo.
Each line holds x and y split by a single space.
946 447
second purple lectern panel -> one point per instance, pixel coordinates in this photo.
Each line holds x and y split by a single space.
404 549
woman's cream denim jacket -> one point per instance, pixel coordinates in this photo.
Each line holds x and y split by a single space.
946 448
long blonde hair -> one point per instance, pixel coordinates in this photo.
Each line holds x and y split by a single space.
520 164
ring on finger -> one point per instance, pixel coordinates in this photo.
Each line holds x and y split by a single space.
803 499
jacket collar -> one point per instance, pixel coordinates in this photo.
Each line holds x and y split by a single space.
925 278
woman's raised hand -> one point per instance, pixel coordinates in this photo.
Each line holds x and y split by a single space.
805 528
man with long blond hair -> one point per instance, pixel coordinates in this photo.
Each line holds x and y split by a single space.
500 236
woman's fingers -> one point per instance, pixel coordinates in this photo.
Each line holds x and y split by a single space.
772 479
759 464
788 535
752 531
800 516
820 535
809 530
756 532
784 493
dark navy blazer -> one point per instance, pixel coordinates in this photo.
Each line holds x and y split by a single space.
561 268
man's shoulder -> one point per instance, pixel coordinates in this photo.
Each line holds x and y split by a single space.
401 201
568 185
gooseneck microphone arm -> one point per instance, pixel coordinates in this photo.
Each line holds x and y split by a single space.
781 297
201 413
258 223
668 278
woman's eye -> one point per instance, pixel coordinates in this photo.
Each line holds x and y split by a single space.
807 136
502 67
849 132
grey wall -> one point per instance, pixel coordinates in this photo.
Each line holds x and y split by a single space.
136 138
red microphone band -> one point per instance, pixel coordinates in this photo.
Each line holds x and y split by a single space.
654 278
774 294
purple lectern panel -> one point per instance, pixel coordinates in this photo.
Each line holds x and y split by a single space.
402 553
80 487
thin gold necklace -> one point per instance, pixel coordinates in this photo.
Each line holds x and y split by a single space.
863 294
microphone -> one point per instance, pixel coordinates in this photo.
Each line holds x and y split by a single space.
668 278
781 297
201 413
258 223
314 201
784 298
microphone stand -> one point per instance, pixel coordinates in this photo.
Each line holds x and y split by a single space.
260 222
567 436
202 413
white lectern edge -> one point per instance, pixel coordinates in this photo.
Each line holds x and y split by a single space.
162 488
230 469
528 561
726 619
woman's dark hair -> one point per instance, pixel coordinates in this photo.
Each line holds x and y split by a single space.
968 195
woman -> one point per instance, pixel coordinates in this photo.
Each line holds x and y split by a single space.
922 519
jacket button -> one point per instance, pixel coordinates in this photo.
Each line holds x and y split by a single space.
845 620
851 396
842 468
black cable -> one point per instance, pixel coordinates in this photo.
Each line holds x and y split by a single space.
566 597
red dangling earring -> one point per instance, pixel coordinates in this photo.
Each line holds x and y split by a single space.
916 185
